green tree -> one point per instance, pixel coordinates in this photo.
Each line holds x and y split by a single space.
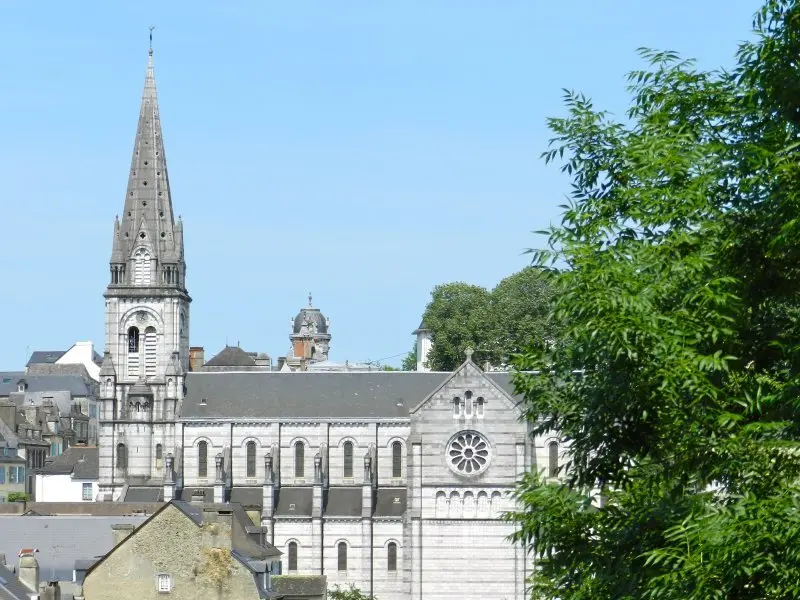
459 316
678 292
520 311
410 360
496 324
350 593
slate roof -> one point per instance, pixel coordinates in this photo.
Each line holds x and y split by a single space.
80 461
231 356
61 540
10 587
294 502
45 356
75 384
344 502
144 494
359 395
390 502
248 496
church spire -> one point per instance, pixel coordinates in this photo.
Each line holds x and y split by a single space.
147 228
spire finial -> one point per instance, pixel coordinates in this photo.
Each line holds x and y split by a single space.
151 39
309 299
468 353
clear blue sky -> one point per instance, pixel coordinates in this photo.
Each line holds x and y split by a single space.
364 151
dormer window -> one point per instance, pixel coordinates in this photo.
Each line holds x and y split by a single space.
141 267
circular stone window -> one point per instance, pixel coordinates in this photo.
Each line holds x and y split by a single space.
468 453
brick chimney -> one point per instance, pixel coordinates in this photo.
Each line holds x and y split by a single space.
197 358
28 570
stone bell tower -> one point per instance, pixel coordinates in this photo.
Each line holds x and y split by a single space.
146 318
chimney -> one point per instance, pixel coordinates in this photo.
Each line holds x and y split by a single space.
263 361
197 358
50 591
28 571
121 531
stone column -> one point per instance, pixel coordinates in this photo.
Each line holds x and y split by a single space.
366 523
219 484
317 540
169 478
268 496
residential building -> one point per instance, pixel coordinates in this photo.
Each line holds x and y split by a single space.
187 551
12 471
52 362
71 477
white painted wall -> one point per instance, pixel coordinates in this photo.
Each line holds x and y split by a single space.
62 488
81 353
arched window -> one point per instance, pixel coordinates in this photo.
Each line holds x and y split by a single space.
391 557
348 459
133 339
292 556
251 459
141 267
342 556
299 459
552 470
202 459
122 456
441 504
150 351
159 452
397 460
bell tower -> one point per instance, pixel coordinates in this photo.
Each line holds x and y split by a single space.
146 317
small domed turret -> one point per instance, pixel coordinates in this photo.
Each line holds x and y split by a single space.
310 337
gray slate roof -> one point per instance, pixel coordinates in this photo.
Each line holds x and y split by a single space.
249 497
45 356
75 384
391 502
294 502
81 461
306 395
144 494
61 540
231 356
10 587
344 502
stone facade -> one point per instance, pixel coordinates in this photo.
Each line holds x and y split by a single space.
146 318
391 481
180 555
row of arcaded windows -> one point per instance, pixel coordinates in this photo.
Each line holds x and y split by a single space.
299 459
341 556
347 459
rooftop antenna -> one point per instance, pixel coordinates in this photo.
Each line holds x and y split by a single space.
151 39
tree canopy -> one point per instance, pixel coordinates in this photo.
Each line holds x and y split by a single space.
677 288
496 324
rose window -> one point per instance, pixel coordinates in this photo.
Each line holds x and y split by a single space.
468 453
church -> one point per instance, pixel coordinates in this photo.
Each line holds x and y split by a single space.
391 481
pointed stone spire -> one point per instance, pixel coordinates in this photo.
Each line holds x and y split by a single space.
148 225
107 368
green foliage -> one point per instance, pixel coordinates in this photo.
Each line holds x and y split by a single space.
18 497
678 292
410 360
350 593
496 324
